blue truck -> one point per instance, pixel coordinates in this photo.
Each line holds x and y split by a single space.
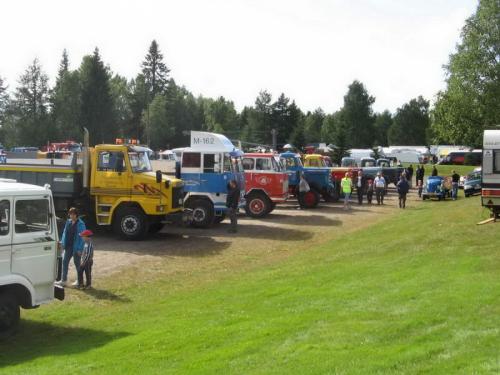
319 180
206 167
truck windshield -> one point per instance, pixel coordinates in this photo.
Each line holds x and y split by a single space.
139 162
278 164
236 165
291 162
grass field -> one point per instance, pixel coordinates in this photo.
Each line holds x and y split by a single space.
444 170
418 292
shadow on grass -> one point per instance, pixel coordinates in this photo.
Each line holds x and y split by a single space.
101 294
258 231
314 220
178 241
37 339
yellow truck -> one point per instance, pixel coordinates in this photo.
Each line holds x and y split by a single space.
112 185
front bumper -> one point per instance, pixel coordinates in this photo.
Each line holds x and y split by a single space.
179 217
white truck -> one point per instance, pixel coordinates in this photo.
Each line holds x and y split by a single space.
490 189
28 250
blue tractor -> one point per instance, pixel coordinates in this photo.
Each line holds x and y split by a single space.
319 180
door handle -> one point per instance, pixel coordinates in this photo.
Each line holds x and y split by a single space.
47 248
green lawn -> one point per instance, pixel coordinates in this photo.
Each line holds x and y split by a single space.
416 293
444 170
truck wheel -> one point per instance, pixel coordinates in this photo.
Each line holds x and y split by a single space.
258 205
311 199
273 206
9 312
130 223
203 213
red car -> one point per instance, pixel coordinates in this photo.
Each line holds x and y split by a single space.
266 183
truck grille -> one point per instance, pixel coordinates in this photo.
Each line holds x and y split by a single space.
177 196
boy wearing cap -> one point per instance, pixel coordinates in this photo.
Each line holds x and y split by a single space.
86 261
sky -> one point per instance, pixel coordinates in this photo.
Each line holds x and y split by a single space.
309 50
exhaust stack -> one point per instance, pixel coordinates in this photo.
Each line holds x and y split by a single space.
86 159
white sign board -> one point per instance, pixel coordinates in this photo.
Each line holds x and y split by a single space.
210 142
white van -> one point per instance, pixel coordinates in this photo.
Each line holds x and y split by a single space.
28 249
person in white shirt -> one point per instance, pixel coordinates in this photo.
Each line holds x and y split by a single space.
379 188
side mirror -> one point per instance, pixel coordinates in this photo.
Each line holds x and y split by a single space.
159 176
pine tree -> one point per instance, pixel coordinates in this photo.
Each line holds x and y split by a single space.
65 100
155 71
4 100
30 108
96 101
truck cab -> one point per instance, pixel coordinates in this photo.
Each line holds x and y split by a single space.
319 180
28 250
128 195
206 167
266 183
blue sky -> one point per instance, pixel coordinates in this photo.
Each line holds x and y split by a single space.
310 50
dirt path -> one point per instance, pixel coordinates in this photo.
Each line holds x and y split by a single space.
284 232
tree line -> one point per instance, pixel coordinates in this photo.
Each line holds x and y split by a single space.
152 107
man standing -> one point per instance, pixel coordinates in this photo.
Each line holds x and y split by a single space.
346 186
403 188
303 190
409 174
455 179
72 244
232 202
379 188
420 179
434 171
360 186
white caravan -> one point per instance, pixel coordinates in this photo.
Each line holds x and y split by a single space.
28 250
490 192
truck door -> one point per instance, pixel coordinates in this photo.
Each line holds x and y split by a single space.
34 240
112 174
5 236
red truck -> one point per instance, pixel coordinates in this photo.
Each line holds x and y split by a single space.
266 183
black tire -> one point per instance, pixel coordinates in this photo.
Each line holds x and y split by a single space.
203 213
155 227
311 199
131 223
9 312
257 205
219 219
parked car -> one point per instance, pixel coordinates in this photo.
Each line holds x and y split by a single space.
437 187
472 183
